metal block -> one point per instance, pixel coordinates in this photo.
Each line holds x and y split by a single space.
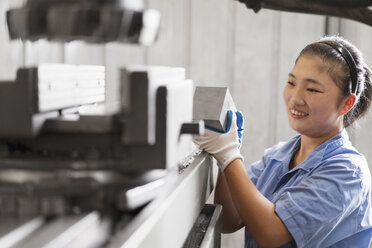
60 86
139 87
39 92
170 145
195 127
211 105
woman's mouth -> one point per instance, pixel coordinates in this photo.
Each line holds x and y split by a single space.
297 114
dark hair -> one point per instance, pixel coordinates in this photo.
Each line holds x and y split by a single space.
339 71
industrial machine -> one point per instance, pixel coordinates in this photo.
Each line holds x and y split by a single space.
70 169
75 173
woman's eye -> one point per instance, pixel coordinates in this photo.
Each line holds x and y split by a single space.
290 83
312 90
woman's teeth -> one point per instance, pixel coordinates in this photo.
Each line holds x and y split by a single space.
295 112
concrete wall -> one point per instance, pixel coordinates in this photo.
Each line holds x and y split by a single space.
220 43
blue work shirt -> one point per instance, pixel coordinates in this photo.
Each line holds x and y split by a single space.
325 201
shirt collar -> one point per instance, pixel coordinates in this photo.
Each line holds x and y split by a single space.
285 155
323 150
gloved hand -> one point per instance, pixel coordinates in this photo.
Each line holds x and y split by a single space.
225 147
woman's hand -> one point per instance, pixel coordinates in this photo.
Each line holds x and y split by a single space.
225 147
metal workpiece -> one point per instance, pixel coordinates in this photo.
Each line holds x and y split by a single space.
96 21
211 105
196 127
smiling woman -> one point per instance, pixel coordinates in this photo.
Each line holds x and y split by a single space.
312 100
315 189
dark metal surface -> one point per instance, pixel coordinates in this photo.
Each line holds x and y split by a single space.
357 10
197 127
206 232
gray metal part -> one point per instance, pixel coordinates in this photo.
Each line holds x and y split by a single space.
91 21
140 127
206 232
27 193
28 102
195 127
211 105
17 106
170 146
13 231
212 237
139 89
167 220
62 86
155 117
84 230
80 124
156 225
138 196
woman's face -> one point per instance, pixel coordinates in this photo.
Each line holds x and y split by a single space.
312 99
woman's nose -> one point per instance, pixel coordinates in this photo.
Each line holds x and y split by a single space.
297 97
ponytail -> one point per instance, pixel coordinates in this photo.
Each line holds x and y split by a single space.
364 101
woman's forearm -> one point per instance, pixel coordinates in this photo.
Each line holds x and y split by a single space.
256 211
230 218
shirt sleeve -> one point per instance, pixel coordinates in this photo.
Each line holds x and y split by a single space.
255 170
316 207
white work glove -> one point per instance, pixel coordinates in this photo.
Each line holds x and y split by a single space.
224 147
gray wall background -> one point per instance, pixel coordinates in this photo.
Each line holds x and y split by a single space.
220 43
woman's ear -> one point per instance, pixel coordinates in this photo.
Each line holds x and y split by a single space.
348 104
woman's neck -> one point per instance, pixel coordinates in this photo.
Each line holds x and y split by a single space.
308 145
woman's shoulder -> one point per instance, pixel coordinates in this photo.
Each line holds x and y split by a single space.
348 160
281 149
348 156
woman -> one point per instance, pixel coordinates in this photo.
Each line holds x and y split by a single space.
315 189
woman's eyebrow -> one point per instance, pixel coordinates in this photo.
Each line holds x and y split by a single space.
310 80
291 75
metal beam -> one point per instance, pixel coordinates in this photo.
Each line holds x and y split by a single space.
355 10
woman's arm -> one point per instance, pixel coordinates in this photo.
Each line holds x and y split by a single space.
255 210
230 219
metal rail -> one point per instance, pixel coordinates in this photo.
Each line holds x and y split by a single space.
167 221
